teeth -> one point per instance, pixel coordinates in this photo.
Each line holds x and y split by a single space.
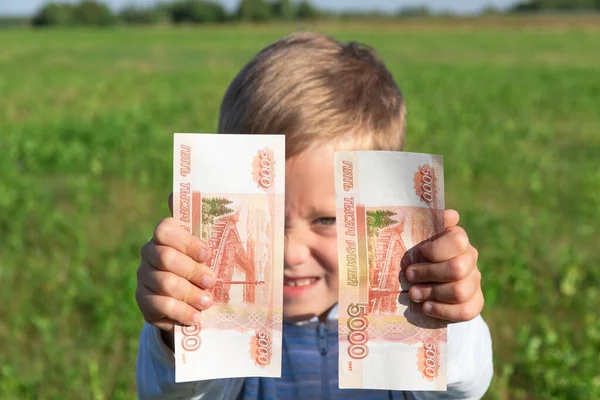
300 282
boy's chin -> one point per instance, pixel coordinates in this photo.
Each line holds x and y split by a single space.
299 314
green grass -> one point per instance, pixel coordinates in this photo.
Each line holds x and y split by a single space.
86 124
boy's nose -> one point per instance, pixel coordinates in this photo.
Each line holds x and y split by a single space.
295 251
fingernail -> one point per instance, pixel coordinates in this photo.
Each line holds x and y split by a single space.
427 308
202 254
416 295
204 300
207 281
410 274
197 317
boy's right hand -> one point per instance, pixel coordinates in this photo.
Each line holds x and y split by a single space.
172 277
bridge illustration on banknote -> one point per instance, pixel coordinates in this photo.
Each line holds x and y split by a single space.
385 251
230 254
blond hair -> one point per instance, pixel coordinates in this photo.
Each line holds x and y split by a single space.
315 90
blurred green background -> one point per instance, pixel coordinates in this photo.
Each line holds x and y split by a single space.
86 123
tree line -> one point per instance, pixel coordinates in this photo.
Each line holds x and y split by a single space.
96 13
93 12
556 5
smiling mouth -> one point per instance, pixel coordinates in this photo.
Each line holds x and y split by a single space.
298 282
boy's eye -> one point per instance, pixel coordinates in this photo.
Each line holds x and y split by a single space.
327 221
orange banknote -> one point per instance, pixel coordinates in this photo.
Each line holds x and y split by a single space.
388 204
229 191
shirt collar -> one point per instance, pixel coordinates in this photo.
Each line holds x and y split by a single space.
332 315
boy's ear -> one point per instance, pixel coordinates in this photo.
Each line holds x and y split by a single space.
171 203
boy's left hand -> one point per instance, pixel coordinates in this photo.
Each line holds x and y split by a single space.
449 284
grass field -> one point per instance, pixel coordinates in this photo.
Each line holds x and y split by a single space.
86 124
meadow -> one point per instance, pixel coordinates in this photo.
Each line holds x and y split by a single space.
86 124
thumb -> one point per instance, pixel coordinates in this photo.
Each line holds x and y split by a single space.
451 218
171 203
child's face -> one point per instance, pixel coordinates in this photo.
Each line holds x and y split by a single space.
310 257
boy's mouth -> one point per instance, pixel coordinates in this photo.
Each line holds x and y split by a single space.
297 286
298 281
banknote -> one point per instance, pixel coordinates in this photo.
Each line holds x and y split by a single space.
388 204
229 191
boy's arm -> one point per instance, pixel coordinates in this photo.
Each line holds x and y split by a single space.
470 366
156 374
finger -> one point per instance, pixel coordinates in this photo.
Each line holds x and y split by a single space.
455 269
452 292
169 233
452 243
451 218
171 285
171 260
171 203
158 309
455 312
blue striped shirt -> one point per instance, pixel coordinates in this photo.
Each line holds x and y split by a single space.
310 368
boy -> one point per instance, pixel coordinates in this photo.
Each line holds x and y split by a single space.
325 96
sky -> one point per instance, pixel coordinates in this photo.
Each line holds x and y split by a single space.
28 7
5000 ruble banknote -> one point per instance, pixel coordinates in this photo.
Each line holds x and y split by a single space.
387 204
229 191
